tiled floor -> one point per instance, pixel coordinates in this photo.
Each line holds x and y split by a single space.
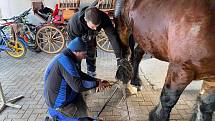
25 77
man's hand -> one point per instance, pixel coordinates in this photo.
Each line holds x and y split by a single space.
103 84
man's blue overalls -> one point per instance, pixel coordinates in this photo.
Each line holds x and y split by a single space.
56 114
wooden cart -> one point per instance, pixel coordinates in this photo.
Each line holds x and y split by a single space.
68 7
51 36
102 40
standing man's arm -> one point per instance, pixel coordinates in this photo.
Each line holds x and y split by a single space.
112 35
124 70
73 27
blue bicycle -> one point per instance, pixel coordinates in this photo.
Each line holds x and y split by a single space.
10 43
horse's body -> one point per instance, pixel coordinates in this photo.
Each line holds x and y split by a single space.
181 32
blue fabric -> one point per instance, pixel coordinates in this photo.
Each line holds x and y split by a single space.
68 65
61 97
89 84
77 45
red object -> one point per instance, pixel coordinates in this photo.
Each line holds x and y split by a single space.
57 18
8 23
25 38
56 10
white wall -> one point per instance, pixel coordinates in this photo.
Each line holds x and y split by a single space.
0 13
10 8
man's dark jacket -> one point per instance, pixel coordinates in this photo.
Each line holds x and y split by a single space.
77 27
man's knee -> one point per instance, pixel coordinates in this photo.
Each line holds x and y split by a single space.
69 110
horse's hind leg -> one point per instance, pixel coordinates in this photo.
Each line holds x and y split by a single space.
205 105
135 61
178 77
131 46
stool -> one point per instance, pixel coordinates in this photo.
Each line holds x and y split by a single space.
9 103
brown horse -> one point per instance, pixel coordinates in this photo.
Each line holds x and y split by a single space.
181 32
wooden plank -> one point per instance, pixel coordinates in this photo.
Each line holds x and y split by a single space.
68 4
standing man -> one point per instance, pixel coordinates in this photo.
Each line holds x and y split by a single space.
86 24
64 82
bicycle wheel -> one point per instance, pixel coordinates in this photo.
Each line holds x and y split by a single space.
17 48
50 39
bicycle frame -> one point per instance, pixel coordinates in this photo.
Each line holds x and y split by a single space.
5 37
12 45
3 40
26 30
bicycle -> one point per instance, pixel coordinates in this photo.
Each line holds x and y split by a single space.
26 30
12 45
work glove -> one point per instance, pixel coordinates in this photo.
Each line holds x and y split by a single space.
124 72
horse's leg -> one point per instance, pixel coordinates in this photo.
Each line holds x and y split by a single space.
178 77
135 61
131 46
205 105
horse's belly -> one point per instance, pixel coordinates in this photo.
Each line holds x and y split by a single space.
175 34
152 38
187 45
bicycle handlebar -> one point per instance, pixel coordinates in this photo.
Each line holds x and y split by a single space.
15 18
7 19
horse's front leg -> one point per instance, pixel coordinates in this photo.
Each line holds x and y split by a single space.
135 61
205 105
178 77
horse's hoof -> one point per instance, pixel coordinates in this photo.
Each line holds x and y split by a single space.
139 88
130 90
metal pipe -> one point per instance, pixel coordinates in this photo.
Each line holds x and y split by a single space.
108 100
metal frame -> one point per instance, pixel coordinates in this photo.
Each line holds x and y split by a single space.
10 102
